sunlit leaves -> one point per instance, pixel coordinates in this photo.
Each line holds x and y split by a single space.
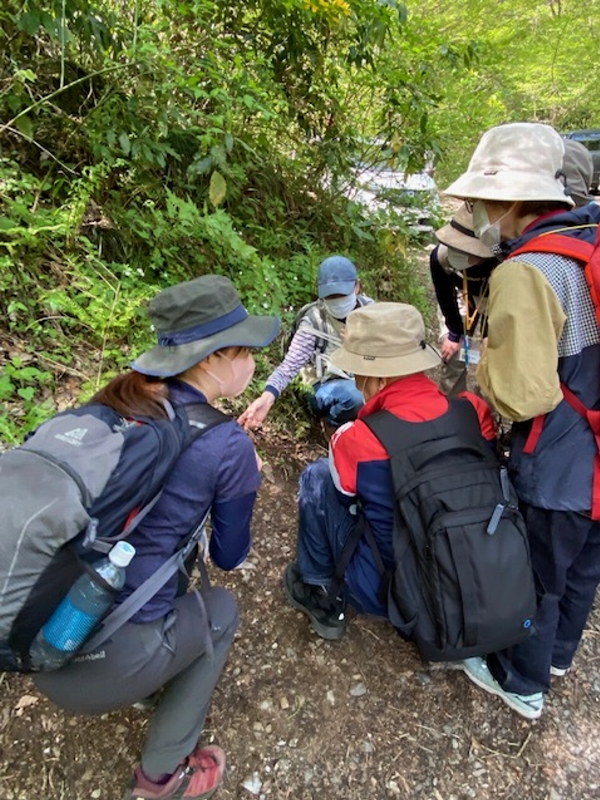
217 189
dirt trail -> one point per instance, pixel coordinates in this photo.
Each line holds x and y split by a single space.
305 719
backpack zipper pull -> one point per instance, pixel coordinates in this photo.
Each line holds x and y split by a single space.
505 483
90 533
495 519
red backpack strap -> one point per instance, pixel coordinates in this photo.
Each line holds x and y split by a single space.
559 244
593 420
534 434
586 252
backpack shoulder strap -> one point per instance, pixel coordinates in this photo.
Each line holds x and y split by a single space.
201 417
587 253
398 436
558 244
198 418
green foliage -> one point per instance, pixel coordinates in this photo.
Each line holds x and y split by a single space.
20 408
534 61
149 143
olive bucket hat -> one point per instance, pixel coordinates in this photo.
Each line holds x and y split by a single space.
385 340
196 318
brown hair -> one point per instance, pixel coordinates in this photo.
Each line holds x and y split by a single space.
133 395
541 207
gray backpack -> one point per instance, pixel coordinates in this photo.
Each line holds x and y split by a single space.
81 482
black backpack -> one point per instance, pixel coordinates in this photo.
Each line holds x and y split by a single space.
462 583
81 482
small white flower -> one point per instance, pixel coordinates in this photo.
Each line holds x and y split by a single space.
140 271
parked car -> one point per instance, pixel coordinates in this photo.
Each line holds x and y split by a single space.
376 181
591 140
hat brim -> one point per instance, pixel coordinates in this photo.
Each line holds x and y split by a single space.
339 287
386 367
165 362
582 199
509 187
452 237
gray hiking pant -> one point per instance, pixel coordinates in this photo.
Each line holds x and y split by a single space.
168 653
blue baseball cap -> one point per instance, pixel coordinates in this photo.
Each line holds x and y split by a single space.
337 275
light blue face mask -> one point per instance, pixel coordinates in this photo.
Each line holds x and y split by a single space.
340 307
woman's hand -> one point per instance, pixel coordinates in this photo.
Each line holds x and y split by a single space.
256 413
449 349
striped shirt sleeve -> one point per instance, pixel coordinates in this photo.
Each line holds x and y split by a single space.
302 349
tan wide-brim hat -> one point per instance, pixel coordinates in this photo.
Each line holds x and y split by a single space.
517 161
458 233
385 340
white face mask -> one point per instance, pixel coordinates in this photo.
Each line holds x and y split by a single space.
241 368
368 388
460 260
488 233
340 307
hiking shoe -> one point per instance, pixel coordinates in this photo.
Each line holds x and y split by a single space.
197 778
559 672
528 706
327 617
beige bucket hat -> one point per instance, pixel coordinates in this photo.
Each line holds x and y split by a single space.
384 340
458 233
517 161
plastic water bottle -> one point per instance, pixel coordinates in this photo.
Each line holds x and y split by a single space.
80 611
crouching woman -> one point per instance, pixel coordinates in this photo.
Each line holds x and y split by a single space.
171 648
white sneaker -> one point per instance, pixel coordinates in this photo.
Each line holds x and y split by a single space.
528 706
559 672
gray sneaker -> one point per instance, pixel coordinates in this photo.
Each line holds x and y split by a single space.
528 706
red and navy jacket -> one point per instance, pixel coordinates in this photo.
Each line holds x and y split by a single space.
360 467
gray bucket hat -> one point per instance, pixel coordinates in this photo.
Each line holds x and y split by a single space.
385 340
516 161
578 167
196 318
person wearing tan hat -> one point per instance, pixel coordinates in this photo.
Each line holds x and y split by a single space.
541 369
177 643
460 265
385 348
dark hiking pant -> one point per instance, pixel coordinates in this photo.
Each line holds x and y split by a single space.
326 520
168 653
565 553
